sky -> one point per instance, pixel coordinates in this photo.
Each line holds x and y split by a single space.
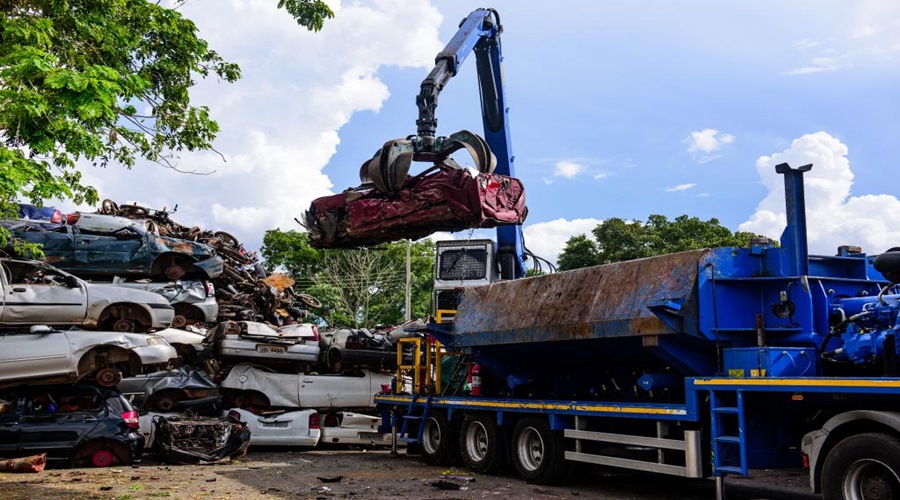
617 109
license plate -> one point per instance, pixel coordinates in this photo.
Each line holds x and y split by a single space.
372 436
271 348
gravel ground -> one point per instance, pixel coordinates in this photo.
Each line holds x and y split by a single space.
362 475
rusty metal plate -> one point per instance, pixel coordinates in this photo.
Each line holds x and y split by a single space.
594 302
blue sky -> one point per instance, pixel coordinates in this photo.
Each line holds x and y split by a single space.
618 109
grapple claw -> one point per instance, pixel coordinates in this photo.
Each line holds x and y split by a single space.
388 169
485 161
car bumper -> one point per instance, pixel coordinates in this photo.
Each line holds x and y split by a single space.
154 355
260 350
286 429
368 357
161 315
213 266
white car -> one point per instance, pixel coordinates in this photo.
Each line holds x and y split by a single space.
47 356
37 293
257 386
290 428
194 301
293 344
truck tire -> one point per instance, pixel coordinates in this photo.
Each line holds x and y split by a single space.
438 440
862 467
482 444
538 453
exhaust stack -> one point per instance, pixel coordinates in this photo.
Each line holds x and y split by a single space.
793 239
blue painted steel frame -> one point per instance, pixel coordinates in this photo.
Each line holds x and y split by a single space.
480 32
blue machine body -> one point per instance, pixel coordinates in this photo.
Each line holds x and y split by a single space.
765 310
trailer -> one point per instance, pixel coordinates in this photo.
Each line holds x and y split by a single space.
702 363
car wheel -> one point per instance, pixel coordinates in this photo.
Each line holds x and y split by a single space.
102 458
178 321
123 325
335 362
175 271
108 377
227 239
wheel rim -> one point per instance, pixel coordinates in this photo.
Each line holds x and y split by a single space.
870 479
530 449
476 441
178 321
431 436
123 325
108 377
101 458
174 272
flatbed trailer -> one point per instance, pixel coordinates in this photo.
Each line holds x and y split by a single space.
725 425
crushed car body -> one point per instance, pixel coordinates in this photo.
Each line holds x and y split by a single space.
172 390
38 293
443 198
257 386
91 245
194 301
296 345
74 425
46 356
198 440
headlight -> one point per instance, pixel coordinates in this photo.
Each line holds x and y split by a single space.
154 340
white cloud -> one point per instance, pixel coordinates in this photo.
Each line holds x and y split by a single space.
707 140
601 175
834 217
280 122
567 169
819 65
547 239
807 43
681 187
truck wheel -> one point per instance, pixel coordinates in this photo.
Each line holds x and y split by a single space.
863 467
482 444
437 445
538 454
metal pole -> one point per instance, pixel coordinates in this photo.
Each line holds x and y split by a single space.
408 281
720 488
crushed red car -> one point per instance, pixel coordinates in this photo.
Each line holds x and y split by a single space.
443 198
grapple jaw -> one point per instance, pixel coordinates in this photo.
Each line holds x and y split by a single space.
388 169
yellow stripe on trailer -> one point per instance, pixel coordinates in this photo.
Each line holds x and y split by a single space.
518 405
806 382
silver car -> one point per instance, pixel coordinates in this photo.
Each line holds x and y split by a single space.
296 345
37 293
44 355
194 301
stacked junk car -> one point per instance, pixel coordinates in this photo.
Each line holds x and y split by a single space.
186 346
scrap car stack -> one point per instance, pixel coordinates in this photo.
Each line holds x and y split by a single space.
135 332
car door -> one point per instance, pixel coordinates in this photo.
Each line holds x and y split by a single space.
336 391
10 408
41 295
32 355
109 252
48 424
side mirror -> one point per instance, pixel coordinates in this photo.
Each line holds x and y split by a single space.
42 329
71 282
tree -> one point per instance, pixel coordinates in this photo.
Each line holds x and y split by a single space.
104 81
356 287
616 240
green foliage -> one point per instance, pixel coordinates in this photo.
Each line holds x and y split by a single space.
309 13
616 240
356 287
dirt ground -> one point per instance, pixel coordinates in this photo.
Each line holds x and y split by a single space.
360 475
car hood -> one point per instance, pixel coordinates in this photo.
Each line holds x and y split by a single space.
113 293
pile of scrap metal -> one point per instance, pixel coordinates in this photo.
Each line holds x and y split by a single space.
245 290
198 440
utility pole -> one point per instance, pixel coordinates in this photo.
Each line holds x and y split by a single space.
408 282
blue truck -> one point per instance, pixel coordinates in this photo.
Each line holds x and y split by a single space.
704 363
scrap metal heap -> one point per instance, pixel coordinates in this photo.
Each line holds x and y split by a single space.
245 290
